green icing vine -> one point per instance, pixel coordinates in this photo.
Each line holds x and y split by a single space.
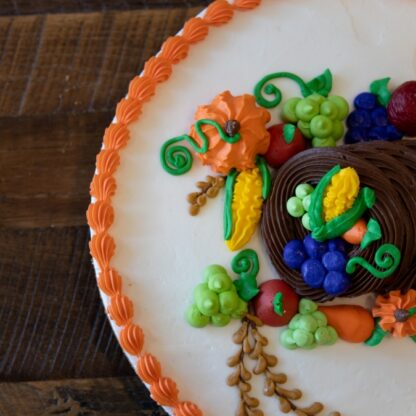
177 160
228 209
246 265
387 258
322 85
380 88
265 175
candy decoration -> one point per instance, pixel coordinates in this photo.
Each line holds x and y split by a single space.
298 205
276 303
285 142
353 323
308 329
355 234
246 208
402 108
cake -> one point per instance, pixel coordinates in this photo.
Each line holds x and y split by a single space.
239 77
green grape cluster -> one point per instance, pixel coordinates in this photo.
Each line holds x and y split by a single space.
216 300
298 205
308 329
318 118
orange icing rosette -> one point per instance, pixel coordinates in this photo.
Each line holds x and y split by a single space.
235 115
397 313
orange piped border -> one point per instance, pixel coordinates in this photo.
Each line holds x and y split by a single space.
100 214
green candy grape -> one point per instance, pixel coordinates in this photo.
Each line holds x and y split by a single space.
342 104
307 306
305 129
220 320
308 323
333 335
306 202
229 302
220 282
306 222
289 110
213 269
307 109
294 207
294 322
206 300
195 318
320 319
322 336
241 310
303 190
318 98
321 126
286 339
302 338
329 109
327 142
310 346
339 129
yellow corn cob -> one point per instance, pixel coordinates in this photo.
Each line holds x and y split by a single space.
246 207
341 193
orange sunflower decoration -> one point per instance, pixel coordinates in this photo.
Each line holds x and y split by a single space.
237 115
397 313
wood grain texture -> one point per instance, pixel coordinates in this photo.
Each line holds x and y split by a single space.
121 396
52 322
60 79
24 7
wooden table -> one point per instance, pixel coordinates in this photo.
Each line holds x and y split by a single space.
63 66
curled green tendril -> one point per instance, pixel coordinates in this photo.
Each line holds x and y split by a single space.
387 258
377 335
322 85
246 264
177 159
228 209
265 175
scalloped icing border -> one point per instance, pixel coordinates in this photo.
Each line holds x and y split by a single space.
100 213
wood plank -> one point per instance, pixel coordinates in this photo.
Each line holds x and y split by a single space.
25 7
60 79
115 396
52 322
77 62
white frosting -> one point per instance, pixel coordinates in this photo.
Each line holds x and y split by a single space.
161 250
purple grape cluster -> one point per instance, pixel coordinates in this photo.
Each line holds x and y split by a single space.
322 265
369 121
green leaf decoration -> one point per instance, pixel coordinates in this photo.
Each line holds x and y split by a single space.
380 88
228 212
278 303
413 338
246 288
373 233
321 85
289 131
377 336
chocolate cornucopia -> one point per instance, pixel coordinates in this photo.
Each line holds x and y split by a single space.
389 168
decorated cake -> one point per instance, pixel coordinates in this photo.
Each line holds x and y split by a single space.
253 211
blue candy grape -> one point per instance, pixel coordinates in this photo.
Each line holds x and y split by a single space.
359 118
338 244
365 101
314 249
334 261
378 133
393 133
356 135
336 283
313 273
294 254
379 117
